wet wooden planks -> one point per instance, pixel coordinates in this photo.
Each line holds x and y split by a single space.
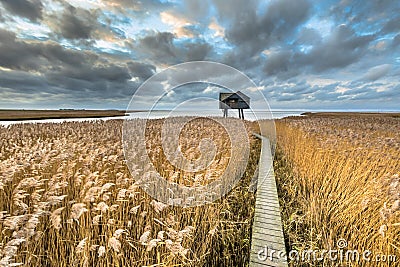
267 242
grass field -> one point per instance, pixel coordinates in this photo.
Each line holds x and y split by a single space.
352 114
338 178
68 199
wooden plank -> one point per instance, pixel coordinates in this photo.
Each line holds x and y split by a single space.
267 242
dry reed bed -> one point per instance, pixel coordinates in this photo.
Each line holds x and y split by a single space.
68 199
193 132
339 178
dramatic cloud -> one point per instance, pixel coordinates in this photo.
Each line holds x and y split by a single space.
196 51
47 67
278 62
140 70
301 54
160 46
30 9
16 54
74 23
342 47
180 23
253 33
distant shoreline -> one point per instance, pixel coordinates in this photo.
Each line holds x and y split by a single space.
26 115
22 115
351 113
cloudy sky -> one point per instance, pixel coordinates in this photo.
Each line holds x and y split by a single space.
300 53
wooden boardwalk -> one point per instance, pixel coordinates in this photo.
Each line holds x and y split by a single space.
267 242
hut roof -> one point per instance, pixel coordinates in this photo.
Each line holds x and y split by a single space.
238 94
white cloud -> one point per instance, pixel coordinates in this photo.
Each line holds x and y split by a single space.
218 29
87 4
256 88
341 89
178 22
211 89
323 26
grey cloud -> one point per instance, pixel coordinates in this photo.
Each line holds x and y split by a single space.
288 15
94 78
278 62
396 41
392 26
190 91
326 92
355 11
231 9
195 75
244 31
241 60
196 9
369 88
26 83
377 96
17 55
39 56
377 72
279 28
289 92
28 9
196 51
88 90
160 47
301 89
141 70
341 49
58 55
360 92
110 73
251 32
282 64
80 74
288 97
251 28
74 23
308 36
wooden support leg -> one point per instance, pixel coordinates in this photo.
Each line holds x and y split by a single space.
225 112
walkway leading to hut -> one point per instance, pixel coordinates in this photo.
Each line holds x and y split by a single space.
267 241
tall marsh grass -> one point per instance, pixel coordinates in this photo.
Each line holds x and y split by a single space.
68 199
339 178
